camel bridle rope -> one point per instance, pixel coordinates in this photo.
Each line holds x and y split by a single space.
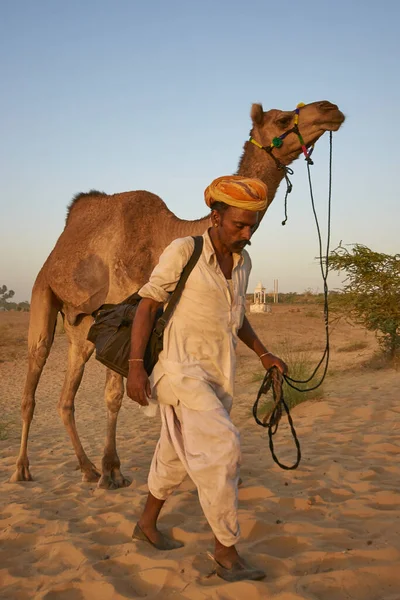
273 379
277 142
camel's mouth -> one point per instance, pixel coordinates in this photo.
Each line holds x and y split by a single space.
334 121
332 126
313 139
330 119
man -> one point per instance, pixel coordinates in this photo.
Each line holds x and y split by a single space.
193 379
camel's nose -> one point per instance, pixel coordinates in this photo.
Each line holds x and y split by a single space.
325 105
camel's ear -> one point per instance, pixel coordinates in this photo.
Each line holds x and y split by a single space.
257 114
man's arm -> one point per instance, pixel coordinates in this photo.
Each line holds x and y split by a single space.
155 293
137 383
250 338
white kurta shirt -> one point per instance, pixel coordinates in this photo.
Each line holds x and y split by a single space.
199 357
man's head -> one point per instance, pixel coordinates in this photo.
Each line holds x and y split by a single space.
235 204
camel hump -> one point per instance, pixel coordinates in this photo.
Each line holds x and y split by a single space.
82 196
144 202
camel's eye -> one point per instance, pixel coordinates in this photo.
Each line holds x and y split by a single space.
284 120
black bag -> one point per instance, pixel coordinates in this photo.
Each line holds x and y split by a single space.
111 330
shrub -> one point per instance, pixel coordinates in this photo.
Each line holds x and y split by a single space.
371 294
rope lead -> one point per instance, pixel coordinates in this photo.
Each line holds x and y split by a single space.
274 379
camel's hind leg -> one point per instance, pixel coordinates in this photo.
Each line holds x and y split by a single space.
42 323
79 353
112 477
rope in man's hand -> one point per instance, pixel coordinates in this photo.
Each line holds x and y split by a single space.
274 379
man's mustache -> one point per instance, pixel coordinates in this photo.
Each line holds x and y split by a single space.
243 244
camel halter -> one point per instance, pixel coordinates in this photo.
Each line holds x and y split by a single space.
277 142
273 379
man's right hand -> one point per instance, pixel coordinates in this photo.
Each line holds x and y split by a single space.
138 384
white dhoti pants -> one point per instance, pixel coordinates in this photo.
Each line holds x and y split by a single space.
206 446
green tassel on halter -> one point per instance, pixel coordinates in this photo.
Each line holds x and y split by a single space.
277 142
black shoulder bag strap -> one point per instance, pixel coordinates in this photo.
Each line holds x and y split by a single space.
173 301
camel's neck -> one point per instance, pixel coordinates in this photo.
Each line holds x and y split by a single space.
256 163
179 228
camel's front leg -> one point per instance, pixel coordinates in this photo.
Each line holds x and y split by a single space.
35 367
42 323
112 477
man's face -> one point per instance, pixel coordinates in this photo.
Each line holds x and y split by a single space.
235 227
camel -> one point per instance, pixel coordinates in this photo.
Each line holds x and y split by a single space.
107 250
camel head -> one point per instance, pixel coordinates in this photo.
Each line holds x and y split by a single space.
313 120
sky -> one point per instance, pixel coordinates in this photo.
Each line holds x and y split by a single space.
156 95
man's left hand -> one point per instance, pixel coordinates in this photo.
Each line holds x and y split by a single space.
270 360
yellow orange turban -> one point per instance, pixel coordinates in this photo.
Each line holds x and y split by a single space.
241 192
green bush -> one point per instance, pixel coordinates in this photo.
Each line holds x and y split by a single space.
371 294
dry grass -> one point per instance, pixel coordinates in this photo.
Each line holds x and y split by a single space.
3 432
301 366
13 335
300 340
380 360
353 346
307 334
4 426
312 313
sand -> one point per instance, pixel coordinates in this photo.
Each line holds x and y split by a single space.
327 531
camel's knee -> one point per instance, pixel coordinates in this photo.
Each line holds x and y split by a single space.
66 412
114 403
27 408
39 353
114 391
87 352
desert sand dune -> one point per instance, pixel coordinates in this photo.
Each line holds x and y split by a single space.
328 531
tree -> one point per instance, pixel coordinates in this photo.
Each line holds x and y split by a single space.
23 306
5 295
371 294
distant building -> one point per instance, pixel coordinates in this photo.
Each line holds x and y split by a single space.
259 300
